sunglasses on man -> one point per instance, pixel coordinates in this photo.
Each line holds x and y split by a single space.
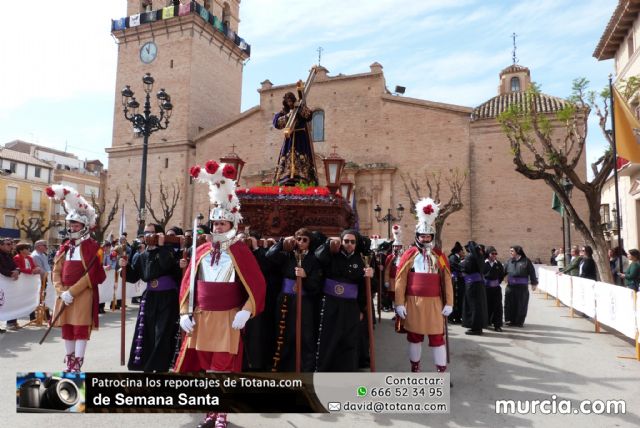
349 241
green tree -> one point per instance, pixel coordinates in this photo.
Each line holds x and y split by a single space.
549 147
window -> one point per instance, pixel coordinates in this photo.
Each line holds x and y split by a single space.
147 6
13 167
9 221
604 214
317 125
226 14
38 171
36 197
91 190
166 162
12 194
515 84
630 47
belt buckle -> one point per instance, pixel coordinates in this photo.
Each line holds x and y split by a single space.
338 289
154 283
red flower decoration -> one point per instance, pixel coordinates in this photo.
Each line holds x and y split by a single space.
230 197
234 210
66 192
50 192
396 227
428 209
229 171
211 166
195 171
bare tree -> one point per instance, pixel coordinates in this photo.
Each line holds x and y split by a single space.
34 227
433 182
169 198
539 155
102 221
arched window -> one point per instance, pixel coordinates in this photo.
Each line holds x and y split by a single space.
317 126
226 14
515 84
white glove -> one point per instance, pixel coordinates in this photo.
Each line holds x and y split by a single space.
241 319
187 323
446 311
401 311
67 298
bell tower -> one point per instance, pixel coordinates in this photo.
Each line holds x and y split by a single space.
192 49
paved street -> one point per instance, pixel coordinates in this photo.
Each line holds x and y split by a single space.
553 354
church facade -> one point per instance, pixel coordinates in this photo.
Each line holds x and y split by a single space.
383 137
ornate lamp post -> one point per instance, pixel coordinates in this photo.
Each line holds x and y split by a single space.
388 218
145 124
333 165
346 186
235 160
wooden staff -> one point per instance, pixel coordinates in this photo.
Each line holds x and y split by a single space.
123 309
380 281
115 287
299 257
367 284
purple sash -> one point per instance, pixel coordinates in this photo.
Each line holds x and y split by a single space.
492 282
343 290
162 283
470 278
289 286
518 280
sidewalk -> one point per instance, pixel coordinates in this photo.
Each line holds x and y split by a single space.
552 354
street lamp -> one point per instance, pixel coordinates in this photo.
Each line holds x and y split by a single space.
333 165
145 124
346 186
388 218
235 160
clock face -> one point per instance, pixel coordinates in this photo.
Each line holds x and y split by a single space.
148 52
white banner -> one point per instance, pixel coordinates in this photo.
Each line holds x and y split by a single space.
547 280
564 289
583 297
106 288
20 297
615 307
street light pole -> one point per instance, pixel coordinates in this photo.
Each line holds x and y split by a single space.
388 218
146 124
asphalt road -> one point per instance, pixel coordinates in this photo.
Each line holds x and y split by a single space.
553 355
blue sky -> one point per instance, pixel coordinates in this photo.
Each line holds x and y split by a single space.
59 60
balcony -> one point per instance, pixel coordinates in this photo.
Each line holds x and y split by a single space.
39 208
11 204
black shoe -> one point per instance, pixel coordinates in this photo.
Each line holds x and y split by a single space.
473 332
498 328
517 325
101 311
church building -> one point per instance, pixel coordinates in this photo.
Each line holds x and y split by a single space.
383 137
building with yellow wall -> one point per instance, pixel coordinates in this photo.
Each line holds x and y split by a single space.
23 181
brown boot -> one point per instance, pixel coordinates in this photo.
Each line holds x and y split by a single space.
415 366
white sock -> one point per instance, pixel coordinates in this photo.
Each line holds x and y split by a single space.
415 351
440 355
69 346
81 345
